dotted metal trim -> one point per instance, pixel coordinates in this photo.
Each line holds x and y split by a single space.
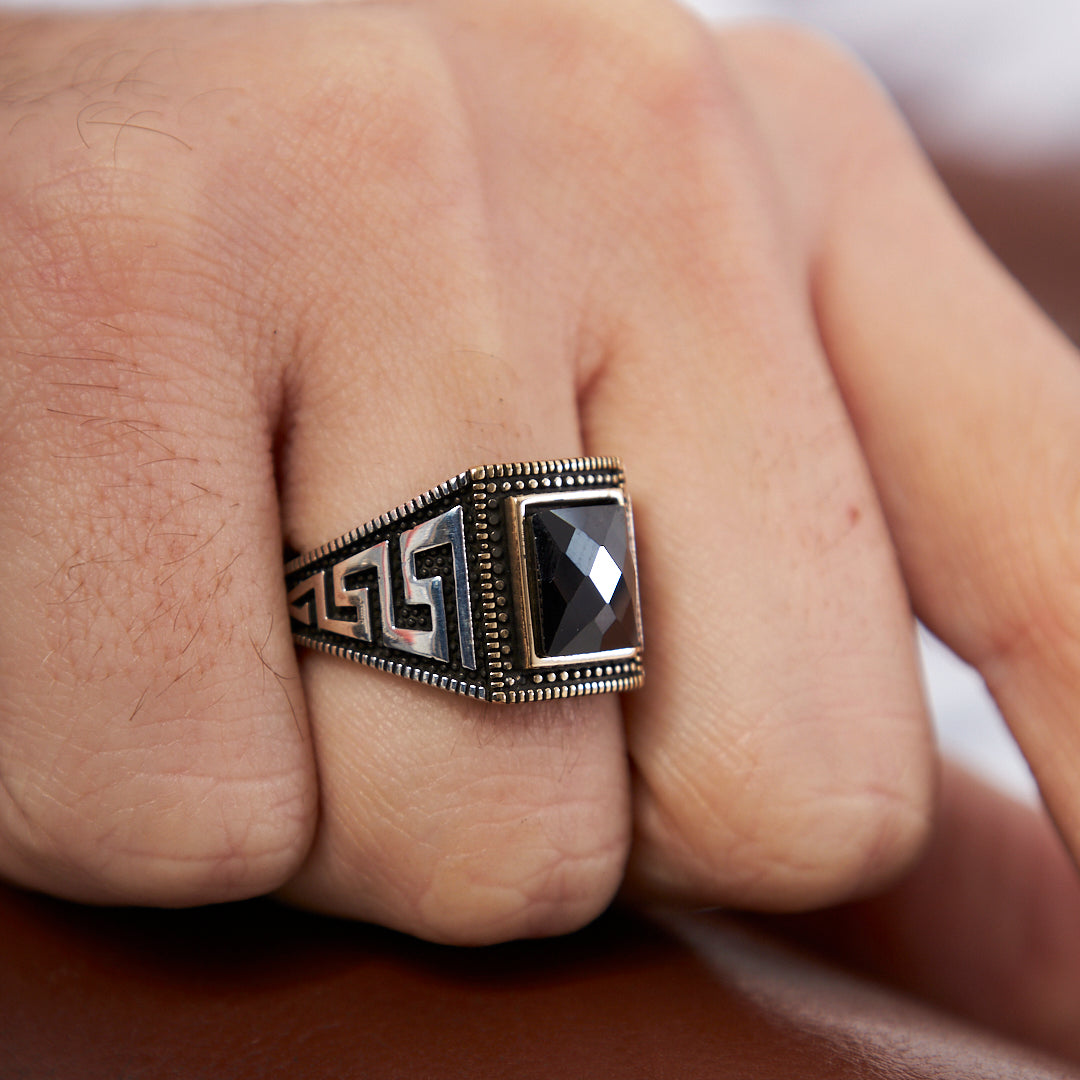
501 675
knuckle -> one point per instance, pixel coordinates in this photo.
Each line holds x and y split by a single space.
661 53
815 822
802 59
95 256
190 161
357 173
1034 562
93 200
609 76
152 835
833 112
522 870
677 77
468 904
395 122
833 847
658 80
647 126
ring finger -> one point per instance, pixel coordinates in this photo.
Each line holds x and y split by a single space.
439 815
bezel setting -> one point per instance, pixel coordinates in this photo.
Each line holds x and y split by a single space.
439 590
524 577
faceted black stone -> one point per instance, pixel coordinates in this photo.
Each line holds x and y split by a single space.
584 578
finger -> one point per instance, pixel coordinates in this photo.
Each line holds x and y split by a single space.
780 744
452 819
967 402
987 925
152 738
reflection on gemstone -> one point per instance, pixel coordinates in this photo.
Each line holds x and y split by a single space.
584 578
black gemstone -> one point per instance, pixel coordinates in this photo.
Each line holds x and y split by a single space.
584 578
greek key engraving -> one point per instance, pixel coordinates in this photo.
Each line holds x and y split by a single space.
359 628
445 529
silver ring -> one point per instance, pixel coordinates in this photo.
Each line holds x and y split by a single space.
507 583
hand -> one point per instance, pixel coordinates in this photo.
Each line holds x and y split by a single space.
284 268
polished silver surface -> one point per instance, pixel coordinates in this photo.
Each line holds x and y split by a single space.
359 628
460 546
377 557
447 528
355 598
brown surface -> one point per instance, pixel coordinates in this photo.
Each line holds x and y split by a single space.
255 990
1031 218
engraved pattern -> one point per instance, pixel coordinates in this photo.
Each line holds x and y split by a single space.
454 612
446 528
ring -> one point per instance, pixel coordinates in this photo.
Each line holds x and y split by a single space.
506 583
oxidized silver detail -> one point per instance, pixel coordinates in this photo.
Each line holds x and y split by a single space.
463 545
419 591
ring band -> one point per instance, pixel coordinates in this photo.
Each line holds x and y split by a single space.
507 583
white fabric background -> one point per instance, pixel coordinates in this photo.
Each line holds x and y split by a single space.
998 78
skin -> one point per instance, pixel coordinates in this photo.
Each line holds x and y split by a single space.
271 271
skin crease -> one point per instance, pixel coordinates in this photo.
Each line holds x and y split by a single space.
280 269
